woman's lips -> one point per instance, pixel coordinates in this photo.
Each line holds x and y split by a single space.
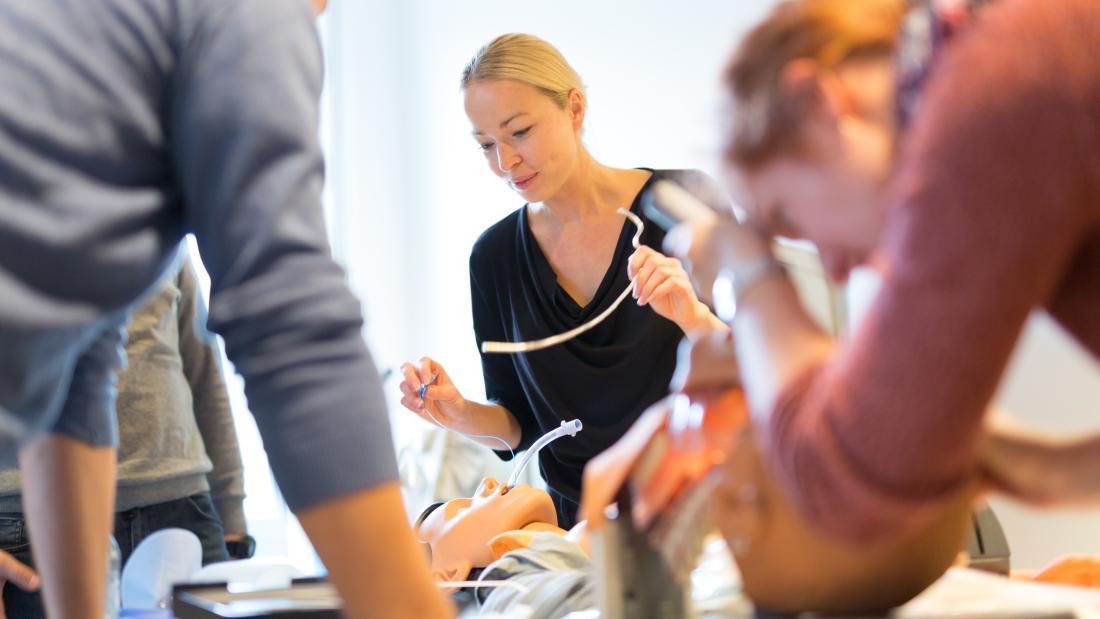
524 182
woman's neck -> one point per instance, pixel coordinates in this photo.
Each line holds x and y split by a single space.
592 191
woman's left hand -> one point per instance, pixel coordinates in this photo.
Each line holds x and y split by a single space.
663 284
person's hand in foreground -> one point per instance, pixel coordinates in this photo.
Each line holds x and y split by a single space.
14 572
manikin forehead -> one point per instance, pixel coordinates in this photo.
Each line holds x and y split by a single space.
488 511
436 522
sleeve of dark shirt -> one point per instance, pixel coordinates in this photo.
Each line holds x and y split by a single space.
502 386
994 194
201 359
88 413
244 124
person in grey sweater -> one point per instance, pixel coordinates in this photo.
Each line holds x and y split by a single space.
125 124
178 460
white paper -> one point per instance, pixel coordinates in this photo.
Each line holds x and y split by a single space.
161 560
963 592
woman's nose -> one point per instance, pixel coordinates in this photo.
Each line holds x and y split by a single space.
507 158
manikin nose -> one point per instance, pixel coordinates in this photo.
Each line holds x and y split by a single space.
489 486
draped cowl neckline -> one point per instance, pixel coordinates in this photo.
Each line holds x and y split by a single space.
564 310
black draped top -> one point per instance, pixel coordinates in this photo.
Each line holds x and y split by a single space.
606 377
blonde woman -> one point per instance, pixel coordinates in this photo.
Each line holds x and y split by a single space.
554 264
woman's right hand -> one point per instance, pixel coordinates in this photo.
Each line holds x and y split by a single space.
442 400
706 247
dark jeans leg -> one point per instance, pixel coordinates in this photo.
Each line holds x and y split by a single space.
195 513
13 540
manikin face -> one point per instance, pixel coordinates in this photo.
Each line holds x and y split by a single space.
832 193
528 141
459 531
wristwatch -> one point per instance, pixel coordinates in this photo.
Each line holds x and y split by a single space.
733 283
243 548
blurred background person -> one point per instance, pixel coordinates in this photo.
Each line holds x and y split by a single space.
178 460
978 206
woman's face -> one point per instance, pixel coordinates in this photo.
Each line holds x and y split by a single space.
528 141
819 201
832 192
460 530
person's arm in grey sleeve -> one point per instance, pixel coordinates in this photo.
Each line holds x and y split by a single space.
88 413
202 366
244 129
69 480
245 122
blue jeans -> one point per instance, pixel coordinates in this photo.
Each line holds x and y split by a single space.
195 513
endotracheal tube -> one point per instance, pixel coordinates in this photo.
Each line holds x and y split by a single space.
566 428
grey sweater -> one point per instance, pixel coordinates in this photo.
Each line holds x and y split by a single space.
125 124
176 435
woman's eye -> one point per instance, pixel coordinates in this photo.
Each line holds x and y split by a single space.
521 132
486 146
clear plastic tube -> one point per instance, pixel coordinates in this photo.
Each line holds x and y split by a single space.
566 428
553 340
424 405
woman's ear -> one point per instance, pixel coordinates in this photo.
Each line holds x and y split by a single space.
577 108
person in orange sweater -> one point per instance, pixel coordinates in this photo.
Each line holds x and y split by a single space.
984 207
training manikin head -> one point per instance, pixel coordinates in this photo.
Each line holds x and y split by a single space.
459 531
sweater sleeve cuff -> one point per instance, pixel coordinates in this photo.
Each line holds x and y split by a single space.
231 511
88 413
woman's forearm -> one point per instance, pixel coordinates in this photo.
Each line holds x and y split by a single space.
776 341
492 420
68 494
704 324
372 556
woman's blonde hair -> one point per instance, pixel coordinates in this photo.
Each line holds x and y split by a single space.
528 59
768 113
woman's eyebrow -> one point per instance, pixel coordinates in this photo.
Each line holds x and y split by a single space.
477 132
511 118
